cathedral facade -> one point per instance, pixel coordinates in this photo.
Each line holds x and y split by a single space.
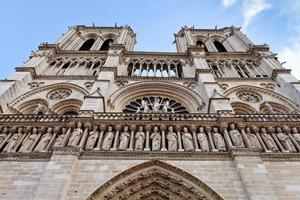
88 118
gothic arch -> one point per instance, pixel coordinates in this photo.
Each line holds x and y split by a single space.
40 95
277 108
242 108
67 106
154 179
122 97
29 106
276 98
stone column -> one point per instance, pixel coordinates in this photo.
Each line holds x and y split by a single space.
226 136
244 136
116 140
255 130
178 130
272 132
87 127
131 143
193 130
102 129
210 138
163 137
68 134
287 130
55 132
148 129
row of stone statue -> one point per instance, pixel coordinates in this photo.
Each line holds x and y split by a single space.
149 138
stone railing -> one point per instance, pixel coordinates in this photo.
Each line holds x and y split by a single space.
117 134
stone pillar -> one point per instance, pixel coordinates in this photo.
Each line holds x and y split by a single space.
87 127
244 136
56 178
272 132
68 134
116 140
178 130
163 137
132 129
148 129
255 130
193 130
210 138
102 129
226 136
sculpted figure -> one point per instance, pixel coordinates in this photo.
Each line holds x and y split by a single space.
12 142
269 107
3 134
91 141
60 139
218 139
40 109
252 139
268 140
156 104
139 139
172 139
145 106
166 106
285 140
187 140
236 137
296 134
124 139
76 135
156 139
108 139
28 142
202 139
45 139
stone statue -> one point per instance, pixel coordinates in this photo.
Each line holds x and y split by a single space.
12 142
254 143
40 109
172 139
296 134
202 139
236 137
156 104
124 139
267 138
156 139
3 134
44 141
269 107
285 140
139 139
60 139
28 142
76 135
218 139
108 139
145 106
166 106
187 140
92 139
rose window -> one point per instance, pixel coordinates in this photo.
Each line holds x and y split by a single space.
250 97
154 105
59 94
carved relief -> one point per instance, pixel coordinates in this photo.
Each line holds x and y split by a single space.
34 85
59 94
249 97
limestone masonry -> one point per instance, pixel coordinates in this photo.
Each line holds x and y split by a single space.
88 118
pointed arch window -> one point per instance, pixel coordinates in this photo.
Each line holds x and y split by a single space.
220 47
106 44
87 45
199 43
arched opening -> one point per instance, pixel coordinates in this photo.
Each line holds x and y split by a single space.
87 45
219 46
242 108
179 71
154 180
71 113
199 43
106 44
130 69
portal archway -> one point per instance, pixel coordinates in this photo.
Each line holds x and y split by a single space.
154 180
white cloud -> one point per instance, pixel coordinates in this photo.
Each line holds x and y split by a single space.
252 8
227 3
291 55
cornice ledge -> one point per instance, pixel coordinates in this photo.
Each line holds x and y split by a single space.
276 72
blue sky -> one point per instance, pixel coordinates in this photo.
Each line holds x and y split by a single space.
27 23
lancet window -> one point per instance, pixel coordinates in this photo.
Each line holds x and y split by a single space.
151 68
238 68
75 66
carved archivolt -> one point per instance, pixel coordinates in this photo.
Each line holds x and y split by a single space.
242 108
66 106
154 179
122 97
257 97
